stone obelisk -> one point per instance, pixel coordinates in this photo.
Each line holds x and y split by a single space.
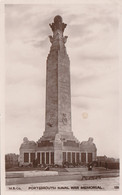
58 93
58 144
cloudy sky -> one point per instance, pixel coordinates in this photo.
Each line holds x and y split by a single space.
92 46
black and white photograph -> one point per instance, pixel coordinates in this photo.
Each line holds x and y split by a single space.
61 96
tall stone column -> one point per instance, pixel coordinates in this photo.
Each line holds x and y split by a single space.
86 157
40 157
71 157
58 94
80 157
29 157
35 155
75 157
49 157
45 157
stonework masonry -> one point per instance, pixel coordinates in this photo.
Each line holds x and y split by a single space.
58 144
58 95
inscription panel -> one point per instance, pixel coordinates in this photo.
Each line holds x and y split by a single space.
45 143
71 143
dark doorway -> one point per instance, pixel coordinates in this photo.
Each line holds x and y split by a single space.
83 157
89 157
32 157
64 156
77 157
69 157
47 157
43 158
38 157
26 157
52 157
73 157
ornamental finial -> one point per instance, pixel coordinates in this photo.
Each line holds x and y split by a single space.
58 19
58 24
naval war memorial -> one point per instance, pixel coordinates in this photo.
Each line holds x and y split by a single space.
58 144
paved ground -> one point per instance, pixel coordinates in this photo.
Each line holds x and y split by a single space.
75 184
61 177
28 180
109 180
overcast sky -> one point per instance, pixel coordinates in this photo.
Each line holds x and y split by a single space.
92 46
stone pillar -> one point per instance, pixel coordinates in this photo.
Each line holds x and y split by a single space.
71 157
58 157
35 155
58 150
58 93
40 157
45 157
80 157
75 157
29 157
66 156
86 157
49 157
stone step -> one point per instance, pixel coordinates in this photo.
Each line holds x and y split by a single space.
14 174
81 169
30 174
69 173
